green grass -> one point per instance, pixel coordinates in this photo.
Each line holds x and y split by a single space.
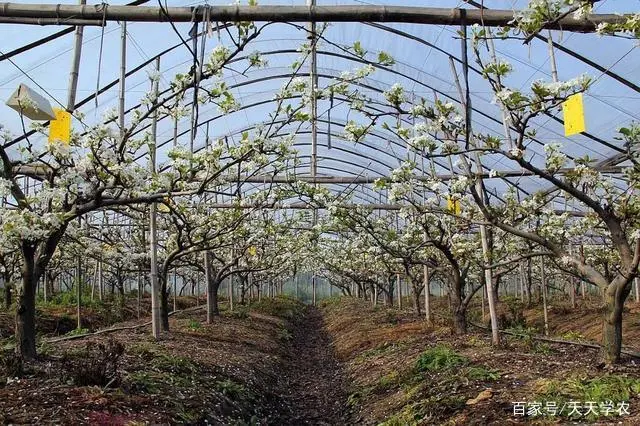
439 358
610 387
481 373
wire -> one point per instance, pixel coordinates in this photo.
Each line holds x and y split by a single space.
44 90
104 13
164 12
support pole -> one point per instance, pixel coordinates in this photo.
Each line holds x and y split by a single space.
207 279
427 294
79 291
543 289
484 233
313 75
552 59
140 280
75 66
123 76
175 288
73 15
153 236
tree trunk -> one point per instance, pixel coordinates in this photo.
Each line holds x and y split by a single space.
458 309
164 301
460 320
7 291
416 300
26 309
614 298
529 283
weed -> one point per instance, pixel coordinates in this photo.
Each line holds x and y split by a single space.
78 331
240 312
194 325
143 381
515 317
439 358
231 389
607 388
542 348
476 341
426 411
573 336
387 381
614 388
284 334
355 397
97 364
173 364
482 373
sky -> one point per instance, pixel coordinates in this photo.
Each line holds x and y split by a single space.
608 104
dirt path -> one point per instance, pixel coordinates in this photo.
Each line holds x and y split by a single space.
312 380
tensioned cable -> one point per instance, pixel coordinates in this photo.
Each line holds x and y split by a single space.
51 37
45 91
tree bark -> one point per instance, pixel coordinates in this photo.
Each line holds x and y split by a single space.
460 319
458 308
7 291
614 298
164 300
26 309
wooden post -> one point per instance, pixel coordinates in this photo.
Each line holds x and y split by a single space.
399 285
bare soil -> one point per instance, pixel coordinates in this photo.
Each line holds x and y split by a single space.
271 364
279 362
381 348
312 378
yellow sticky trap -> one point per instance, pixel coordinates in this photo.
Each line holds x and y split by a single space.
60 128
453 206
573 110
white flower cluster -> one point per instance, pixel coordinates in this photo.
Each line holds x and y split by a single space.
5 188
555 158
395 95
354 131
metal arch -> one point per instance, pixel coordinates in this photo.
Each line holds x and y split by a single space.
507 181
475 70
373 88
